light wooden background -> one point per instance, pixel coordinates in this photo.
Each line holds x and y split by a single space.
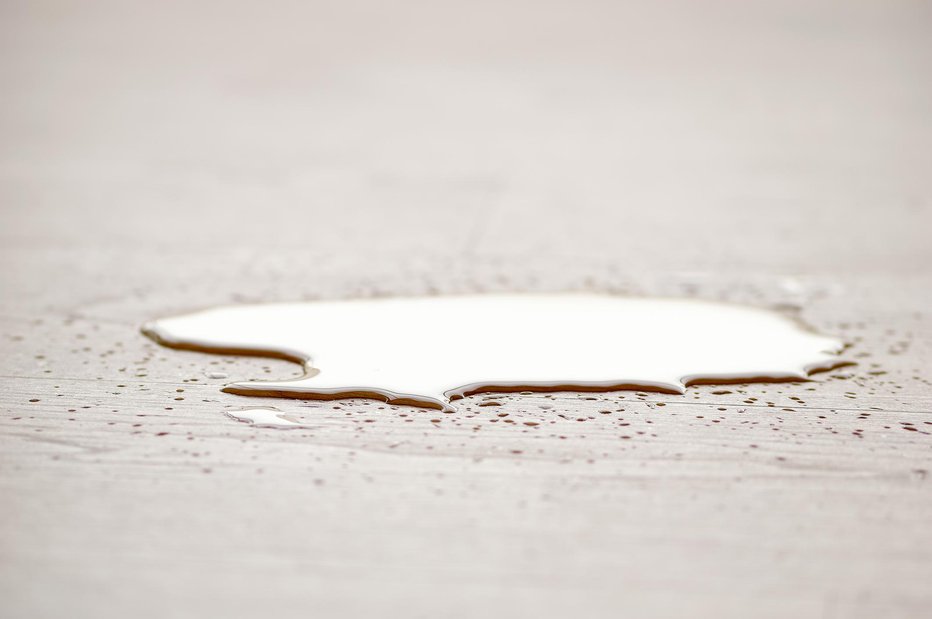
157 157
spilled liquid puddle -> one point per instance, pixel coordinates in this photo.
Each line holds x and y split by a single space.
433 350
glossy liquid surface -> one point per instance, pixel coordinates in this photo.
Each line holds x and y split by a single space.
428 351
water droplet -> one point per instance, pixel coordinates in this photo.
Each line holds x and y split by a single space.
266 417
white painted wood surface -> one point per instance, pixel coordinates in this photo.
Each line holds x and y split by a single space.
161 157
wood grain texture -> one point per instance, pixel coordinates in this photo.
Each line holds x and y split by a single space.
161 157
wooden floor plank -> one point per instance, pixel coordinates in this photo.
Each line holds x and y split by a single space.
157 158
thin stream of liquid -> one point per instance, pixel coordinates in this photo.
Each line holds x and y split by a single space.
430 351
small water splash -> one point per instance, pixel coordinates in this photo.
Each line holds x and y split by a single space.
266 417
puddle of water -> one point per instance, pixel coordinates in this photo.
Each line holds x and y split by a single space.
429 351
265 417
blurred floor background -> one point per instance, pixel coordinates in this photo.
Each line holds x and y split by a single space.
790 135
